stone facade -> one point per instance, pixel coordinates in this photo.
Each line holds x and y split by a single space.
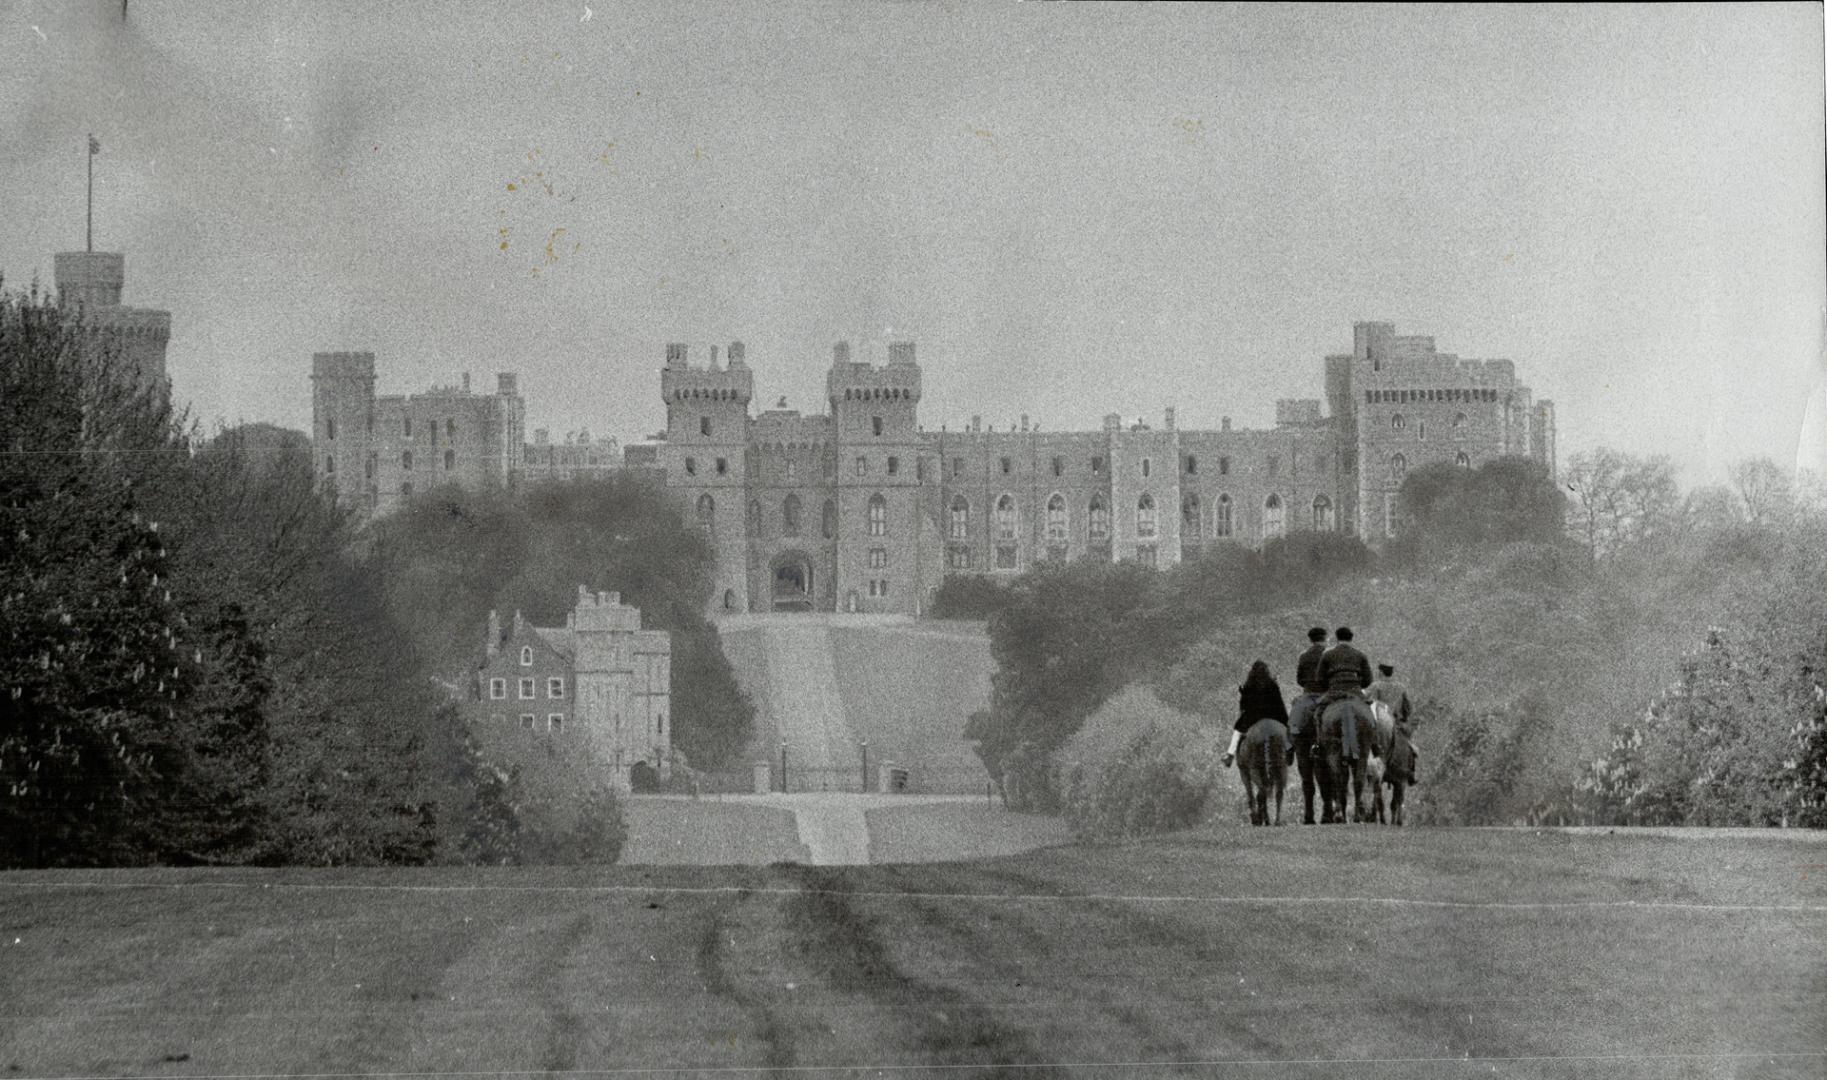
93 281
600 685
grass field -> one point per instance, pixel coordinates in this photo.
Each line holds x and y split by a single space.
1344 952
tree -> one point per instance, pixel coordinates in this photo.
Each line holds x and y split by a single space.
1765 491
1505 500
1619 502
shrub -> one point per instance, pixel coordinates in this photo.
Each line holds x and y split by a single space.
1136 768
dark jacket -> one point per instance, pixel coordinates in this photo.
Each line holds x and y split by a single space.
1259 702
1306 670
1344 668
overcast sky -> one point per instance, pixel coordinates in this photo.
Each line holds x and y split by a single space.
1073 210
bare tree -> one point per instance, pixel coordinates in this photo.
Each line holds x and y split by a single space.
1764 489
1618 501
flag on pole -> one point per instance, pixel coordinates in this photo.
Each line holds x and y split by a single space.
94 146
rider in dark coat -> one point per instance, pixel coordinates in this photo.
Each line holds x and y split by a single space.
1259 698
1303 724
1346 672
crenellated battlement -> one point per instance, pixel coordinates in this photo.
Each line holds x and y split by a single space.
680 381
343 365
897 380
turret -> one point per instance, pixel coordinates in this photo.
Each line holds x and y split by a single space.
342 424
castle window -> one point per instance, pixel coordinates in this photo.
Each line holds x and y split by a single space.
691 466
829 522
878 558
1192 465
957 557
527 720
920 470
370 423
555 722
1221 518
1007 465
450 459
1322 513
527 689
497 689
406 459
789 516
707 514
555 686
406 490
659 724
1192 523
1293 462
1421 431
450 429
1147 555
704 425
961 518
878 515
957 467
894 465
1458 421
1272 525
1398 467
1056 517
1274 465
1145 516
368 468
1005 518
875 424
792 468
729 599
329 465
406 426
862 466
1398 422
1097 466
526 656
330 427
1462 460
1146 465
1224 466
723 466
1100 520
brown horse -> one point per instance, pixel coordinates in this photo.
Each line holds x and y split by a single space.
1342 753
1262 762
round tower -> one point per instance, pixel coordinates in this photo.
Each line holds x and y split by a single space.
342 424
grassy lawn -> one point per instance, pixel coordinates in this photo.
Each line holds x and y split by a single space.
1226 952
706 832
936 832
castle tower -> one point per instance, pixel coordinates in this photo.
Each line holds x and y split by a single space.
705 459
92 282
876 432
342 425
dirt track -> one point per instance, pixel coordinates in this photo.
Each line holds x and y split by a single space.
1244 952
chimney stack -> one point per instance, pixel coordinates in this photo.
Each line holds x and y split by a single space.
1169 421
840 353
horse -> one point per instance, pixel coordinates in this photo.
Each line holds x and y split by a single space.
1398 770
1380 737
1341 752
1303 725
1262 762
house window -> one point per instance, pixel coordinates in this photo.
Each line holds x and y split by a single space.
1221 518
1462 460
526 656
1322 513
555 686
527 720
1005 518
704 425
723 466
1272 524
1145 516
828 522
555 722
878 515
1192 524
789 516
894 465
450 460
527 689
1059 465
707 513
1056 518
691 466
862 466
1100 520
406 460
1146 555
961 518
1007 466
1192 465
497 689
1224 466
1397 422
1398 467
878 558
1097 466
875 424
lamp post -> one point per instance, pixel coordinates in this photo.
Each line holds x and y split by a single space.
783 767
865 766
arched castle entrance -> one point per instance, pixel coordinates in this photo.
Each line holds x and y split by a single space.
790 578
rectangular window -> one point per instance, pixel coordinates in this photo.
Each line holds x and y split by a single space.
894 465
555 722
1059 465
406 426
862 466
1007 466
1224 466
1006 557
497 689
872 588
920 470
1097 466
957 466
958 558
704 425
555 686
723 466
526 688
878 558
1274 465
526 721
884 588
875 424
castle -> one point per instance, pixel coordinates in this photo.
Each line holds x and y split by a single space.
92 282
861 509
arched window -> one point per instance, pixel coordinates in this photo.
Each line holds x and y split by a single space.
1398 422
1192 523
1005 518
526 656
1272 522
789 516
1398 467
729 604
1224 466
828 524
1100 520
450 460
704 425
1221 518
1146 464
878 515
1192 465
1458 421
1145 517
961 518
875 424
707 513
1322 513
406 459
1056 518
1463 460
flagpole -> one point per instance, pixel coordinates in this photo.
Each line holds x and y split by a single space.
89 219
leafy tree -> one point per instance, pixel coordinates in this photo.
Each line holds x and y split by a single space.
1505 500
1619 502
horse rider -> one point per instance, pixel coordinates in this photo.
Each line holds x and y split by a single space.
1303 725
1391 693
1259 698
1346 672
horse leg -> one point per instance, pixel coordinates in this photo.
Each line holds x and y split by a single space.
1303 759
1357 786
1395 802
